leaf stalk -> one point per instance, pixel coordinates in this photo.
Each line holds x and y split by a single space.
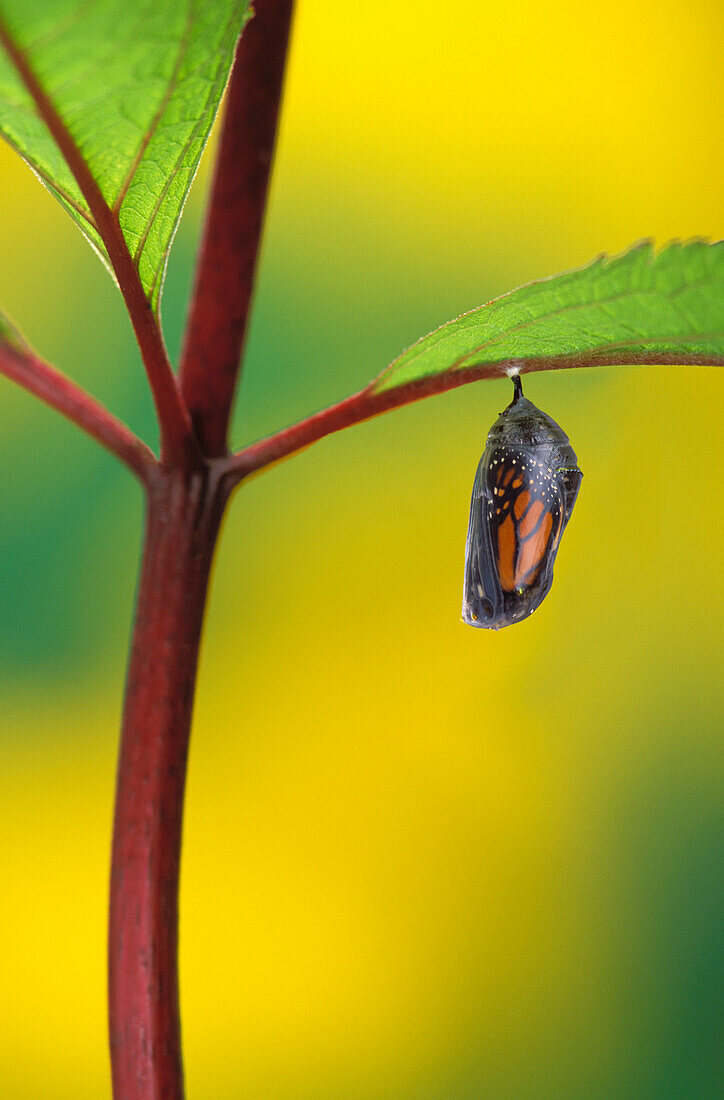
57 391
370 402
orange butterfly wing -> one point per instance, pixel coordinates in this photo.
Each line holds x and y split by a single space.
526 518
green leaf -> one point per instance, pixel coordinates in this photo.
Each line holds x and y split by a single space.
137 84
638 304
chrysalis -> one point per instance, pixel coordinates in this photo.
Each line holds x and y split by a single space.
525 488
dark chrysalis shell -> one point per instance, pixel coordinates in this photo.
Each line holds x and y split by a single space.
525 488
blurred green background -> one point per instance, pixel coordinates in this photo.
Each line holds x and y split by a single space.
421 861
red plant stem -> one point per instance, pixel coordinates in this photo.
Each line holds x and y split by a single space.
368 403
177 441
183 518
60 393
228 257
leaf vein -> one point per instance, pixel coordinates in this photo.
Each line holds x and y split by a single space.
171 176
156 120
562 311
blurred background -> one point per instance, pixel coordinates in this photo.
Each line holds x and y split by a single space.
421 861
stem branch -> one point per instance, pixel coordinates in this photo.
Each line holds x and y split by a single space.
66 397
369 402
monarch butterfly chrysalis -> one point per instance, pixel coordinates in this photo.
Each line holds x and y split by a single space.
525 487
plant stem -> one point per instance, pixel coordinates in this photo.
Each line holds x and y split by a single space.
228 257
184 513
186 501
371 402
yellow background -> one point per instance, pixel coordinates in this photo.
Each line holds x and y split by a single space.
421 861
